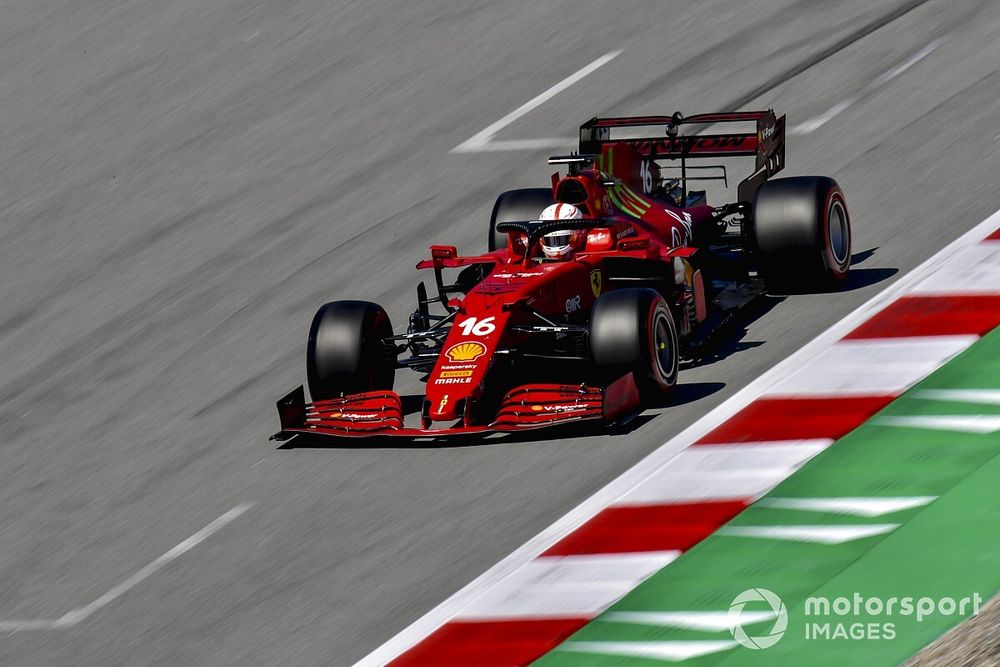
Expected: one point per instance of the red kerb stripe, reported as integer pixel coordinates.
(665, 527)
(796, 419)
(933, 316)
(489, 643)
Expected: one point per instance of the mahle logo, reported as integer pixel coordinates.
(738, 618)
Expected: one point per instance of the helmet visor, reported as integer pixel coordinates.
(559, 239)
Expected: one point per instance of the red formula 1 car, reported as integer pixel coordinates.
(650, 271)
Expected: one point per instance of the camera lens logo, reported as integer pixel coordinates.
(758, 597)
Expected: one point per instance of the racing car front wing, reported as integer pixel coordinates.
(531, 406)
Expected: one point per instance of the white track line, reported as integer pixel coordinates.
(867, 507)
(75, 616)
(669, 651)
(819, 121)
(516, 145)
(481, 141)
(631, 478)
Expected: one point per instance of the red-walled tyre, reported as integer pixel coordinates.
(802, 232)
(633, 330)
(346, 352)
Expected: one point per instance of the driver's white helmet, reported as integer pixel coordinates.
(561, 244)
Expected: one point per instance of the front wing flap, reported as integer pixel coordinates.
(380, 413)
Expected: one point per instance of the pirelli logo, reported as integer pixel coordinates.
(455, 374)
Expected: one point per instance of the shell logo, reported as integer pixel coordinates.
(536, 408)
(467, 351)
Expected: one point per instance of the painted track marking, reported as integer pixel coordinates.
(943, 260)
(885, 77)
(75, 616)
(483, 141)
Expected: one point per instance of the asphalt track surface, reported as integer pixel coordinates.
(184, 183)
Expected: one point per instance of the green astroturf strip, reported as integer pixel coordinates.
(948, 547)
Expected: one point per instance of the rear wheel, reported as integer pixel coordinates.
(347, 352)
(514, 206)
(802, 231)
(633, 330)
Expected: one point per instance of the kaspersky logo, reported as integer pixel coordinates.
(466, 351)
(759, 599)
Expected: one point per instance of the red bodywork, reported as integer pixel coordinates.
(651, 230)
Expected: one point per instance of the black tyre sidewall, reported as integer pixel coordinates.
(514, 206)
(345, 353)
(792, 231)
(622, 340)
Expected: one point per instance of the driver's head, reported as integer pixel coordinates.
(561, 244)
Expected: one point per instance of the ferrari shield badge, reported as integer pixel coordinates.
(595, 282)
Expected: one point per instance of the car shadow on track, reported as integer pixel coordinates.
(861, 278)
(856, 279)
(729, 340)
(859, 257)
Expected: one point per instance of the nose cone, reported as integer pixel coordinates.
(444, 408)
(465, 358)
(455, 379)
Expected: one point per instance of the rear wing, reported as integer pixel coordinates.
(766, 143)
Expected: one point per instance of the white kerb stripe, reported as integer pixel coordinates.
(567, 586)
(872, 367)
(974, 270)
(747, 455)
(724, 472)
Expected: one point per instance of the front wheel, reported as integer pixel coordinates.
(633, 330)
(347, 351)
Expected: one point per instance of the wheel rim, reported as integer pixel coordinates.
(663, 346)
(840, 233)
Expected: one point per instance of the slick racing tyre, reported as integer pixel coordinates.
(346, 352)
(633, 330)
(802, 232)
(514, 206)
